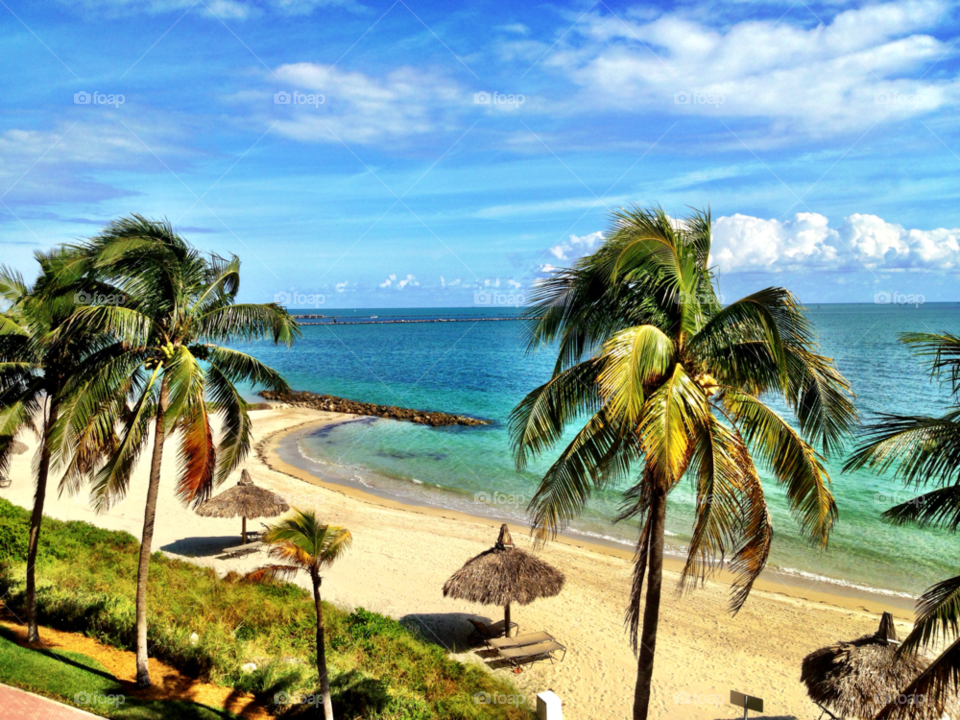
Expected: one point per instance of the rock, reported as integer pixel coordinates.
(331, 403)
(248, 668)
(194, 638)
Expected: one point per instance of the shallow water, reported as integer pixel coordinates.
(481, 369)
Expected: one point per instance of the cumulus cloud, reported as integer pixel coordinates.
(367, 109)
(392, 282)
(577, 246)
(744, 243)
(843, 75)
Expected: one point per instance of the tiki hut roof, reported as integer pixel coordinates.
(504, 574)
(860, 678)
(18, 448)
(244, 500)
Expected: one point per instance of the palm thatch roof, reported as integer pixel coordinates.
(504, 574)
(244, 500)
(859, 678)
(18, 448)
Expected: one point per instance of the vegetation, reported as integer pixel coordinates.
(925, 451)
(37, 365)
(669, 383)
(379, 669)
(165, 308)
(78, 680)
(304, 543)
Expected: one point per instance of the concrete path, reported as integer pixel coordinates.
(20, 705)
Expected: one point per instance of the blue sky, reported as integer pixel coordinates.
(823, 135)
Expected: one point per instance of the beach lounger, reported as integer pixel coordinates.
(482, 631)
(242, 549)
(529, 654)
(520, 640)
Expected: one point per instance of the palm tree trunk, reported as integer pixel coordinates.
(36, 518)
(146, 541)
(321, 652)
(651, 610)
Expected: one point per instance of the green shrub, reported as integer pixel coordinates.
(379, 669)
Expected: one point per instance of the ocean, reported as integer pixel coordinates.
(482, 369)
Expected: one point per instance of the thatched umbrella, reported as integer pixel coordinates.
(503, 575)
(246, 500)
(861, 677)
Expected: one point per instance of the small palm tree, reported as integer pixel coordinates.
(925, 451)
(168, 308)
(662, 378)
(37, 366)
(305, 544)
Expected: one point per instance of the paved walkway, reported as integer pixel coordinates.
(20, 705)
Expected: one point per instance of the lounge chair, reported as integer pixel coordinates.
(529, 654)
(243, 549)
(484, 632)
(520, 640)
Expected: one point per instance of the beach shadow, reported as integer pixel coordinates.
(451, 631)
(202, 546)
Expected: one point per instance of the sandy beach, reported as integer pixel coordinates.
(402, 555)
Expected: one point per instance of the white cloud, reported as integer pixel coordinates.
(367, 109)
(392, 282)
(842, 76)
(226, 9)
(744, 243)
(577, 247)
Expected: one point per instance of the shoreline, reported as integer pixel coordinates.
(794, 586)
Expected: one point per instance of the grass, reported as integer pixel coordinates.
(78, 680)
(380, 669)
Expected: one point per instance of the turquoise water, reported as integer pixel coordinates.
(481, 369)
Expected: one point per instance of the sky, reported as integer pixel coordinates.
(412, 153)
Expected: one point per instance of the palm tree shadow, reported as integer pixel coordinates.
(56, 656)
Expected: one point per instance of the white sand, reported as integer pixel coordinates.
(402, 556)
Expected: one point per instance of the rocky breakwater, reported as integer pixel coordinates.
(331, 403)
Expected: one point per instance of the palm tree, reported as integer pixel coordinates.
(661, 378)
(36, 368)
(304, 544)
(168, 307)
(925, 451)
